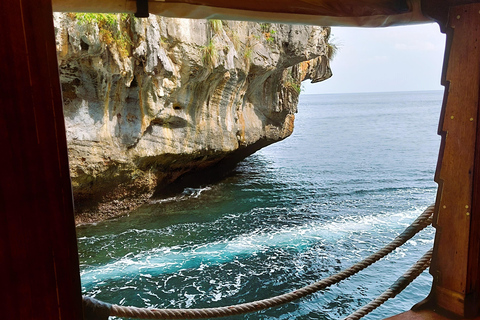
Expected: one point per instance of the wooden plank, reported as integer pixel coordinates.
(455, 173)
(423, 315)
(419, 315)
(472, 298)
(344, 8)
(38, 252)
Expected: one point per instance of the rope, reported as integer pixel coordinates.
(396, 288)
(146, 313)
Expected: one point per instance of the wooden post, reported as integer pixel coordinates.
(455, 265)
(39, 269)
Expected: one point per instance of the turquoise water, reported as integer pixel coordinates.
(357, 170)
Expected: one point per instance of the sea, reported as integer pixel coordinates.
(357, 170)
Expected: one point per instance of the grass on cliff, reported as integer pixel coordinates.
(210, 55)
(332, 47)
(216, 25)
(268, 31)
(291, 83)
(332, 50)
(110, 28)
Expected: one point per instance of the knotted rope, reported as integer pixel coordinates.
(419, 224)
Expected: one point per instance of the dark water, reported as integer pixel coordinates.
(357, 170)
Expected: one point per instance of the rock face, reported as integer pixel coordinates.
(158, 102)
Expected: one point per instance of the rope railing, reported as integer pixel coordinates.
(401, 283)
(102, 310)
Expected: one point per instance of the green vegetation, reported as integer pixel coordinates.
(163, 41)
(268, 31)
(297, 88)
(233, 35)
(292, 83)
(249, 46)
(210, 54)
(110, 28)
(332, 50)
(102, 19)
(216, 25)
(268, 35)
(265, 27)
(332, 47)
(248, 52)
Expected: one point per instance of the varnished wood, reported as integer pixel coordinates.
(37, 237)
(38, 253)
(345, 8)
(473, 264)
(425, 315)
(454, 265)
(438, 9)
(371, 13)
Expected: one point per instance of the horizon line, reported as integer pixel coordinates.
(360, 92)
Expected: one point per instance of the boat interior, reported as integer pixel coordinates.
(38, 249)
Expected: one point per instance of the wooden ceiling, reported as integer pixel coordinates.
(368, 13)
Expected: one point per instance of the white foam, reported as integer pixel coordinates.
(172, 259)
(187, 193)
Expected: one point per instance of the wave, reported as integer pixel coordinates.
(188, 193)
(163, 260)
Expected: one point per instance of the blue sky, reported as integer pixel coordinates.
(407, 58)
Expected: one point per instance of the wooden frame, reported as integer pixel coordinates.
(38, 248)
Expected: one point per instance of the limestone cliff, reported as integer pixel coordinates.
(153, 102)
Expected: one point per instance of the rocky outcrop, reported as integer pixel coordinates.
(158, 102)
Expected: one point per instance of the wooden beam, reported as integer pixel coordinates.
(344, 8)
(455, 263)
(371, 13)
(38, 250)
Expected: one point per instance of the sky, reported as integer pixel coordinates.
(407, 58)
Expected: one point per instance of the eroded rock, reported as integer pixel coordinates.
(150, 101)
